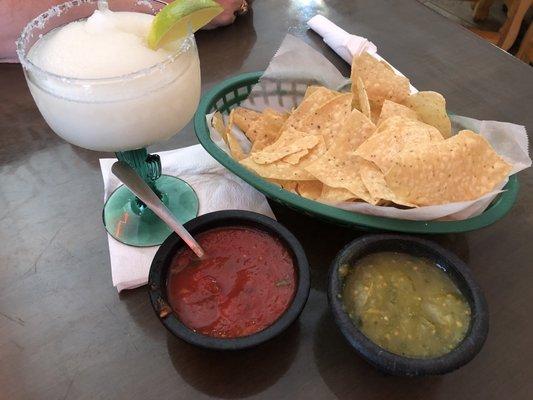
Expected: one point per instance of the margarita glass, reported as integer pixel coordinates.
(91, 105)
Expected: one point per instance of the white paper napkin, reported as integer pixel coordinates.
(343, 43)
(216, 187)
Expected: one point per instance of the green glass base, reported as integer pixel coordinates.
(132, 223)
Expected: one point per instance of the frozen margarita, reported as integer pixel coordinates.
(112, 91)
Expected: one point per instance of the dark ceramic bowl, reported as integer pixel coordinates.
(157, 280)
(384, 360)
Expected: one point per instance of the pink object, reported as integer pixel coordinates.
(231, 9)
(15, 14)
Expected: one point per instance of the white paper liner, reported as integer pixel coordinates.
(297, 65)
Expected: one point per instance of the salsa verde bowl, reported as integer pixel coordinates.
(233, 91)
(161, 264)
(454, 268)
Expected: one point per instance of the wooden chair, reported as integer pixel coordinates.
(525, 52)
(506, 36)
(481, 9)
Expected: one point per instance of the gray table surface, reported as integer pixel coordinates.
(65, 333)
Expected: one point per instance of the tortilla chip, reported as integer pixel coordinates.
(328, 119)
(314, 154)
(290, 186)
(375, 111)
(364, 104)
(312, 89)
(318, 97)
(392, 109)
(374, 181)
(266, 129)
(217, 122)
(392, 136)
(295, 158)
(355, 129)
(461, 168)
(380, 81)
(309, 189)
(278, 170)
(284, 184)
(336, 195)
(431, 109)
(276, 114)
(243, 119)
(234, 146)
(339, 168)
(290, 141)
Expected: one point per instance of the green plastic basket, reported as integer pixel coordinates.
(233, 91)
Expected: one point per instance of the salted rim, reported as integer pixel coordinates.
(40, 21)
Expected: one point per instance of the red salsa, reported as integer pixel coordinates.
(244, 284)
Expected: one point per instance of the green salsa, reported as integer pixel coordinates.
(405, 304)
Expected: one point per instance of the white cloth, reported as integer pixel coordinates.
(216, 187)
(343, 43)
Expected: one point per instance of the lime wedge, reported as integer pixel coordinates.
(174, 20)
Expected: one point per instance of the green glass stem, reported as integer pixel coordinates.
(147, 166)
(129, 220)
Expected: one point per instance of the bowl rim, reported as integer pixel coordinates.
(227, 218)
(395, 364)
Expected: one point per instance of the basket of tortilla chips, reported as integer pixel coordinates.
(376, 154)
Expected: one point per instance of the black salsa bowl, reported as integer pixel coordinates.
(459, 273)
(157, 279)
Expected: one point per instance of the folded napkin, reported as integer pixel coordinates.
(216, 187)
(343, 43)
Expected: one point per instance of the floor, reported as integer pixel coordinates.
(461, 12)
